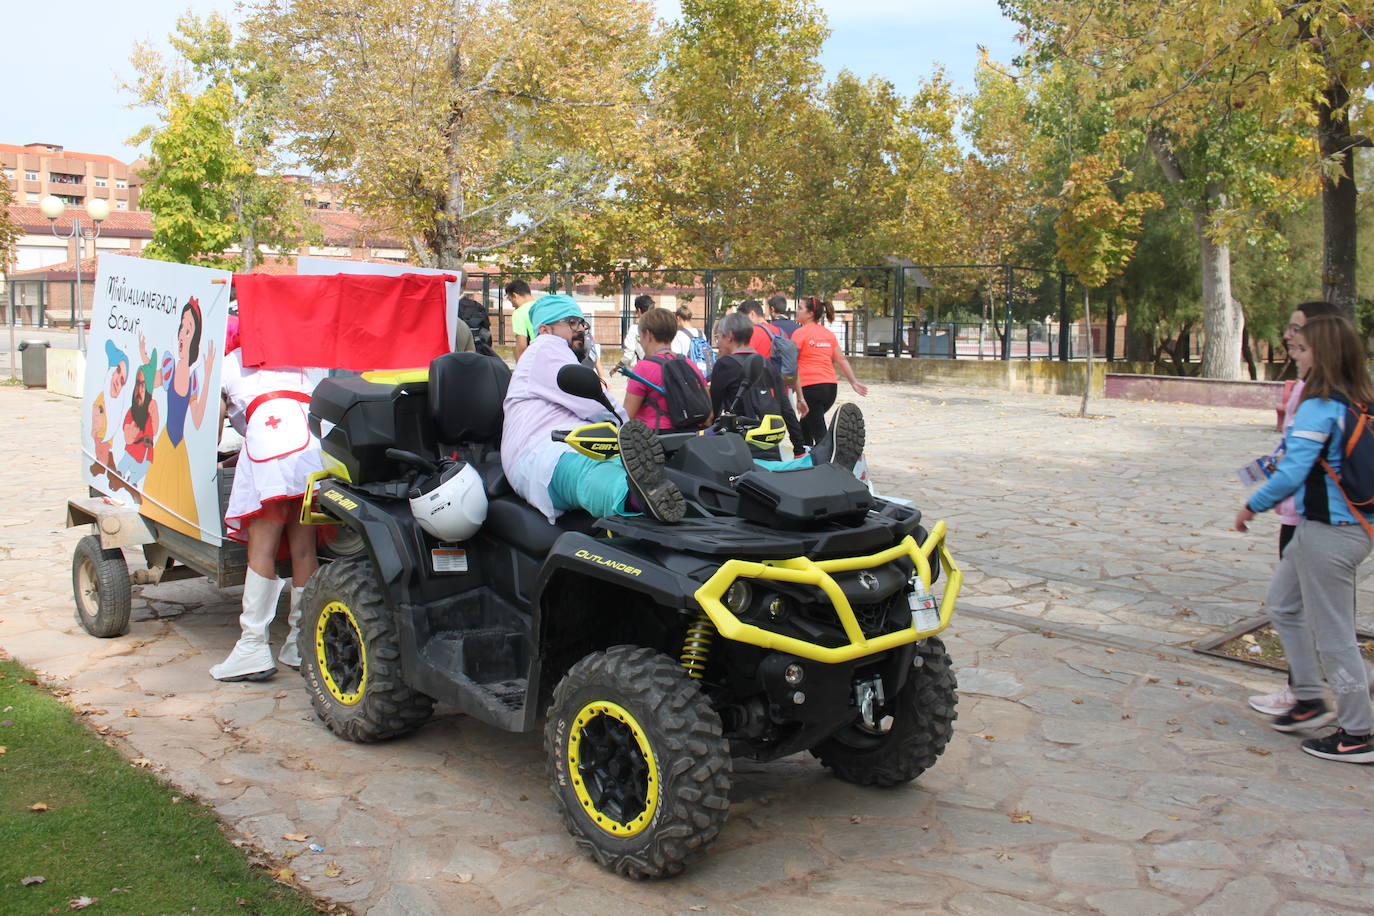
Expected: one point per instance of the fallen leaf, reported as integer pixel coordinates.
(282, 875)
(131, 713)
(1125, 715)
(295, 837)
(102, 729)
(1172, 818)
(38, 806)
(333, 870)
(176, 799)
(223, 782)
(32, 880)
(1020, 817)
(989, 737)
(187, 719)
(279, 696)
(461, 878)
(292, 853)
(3, 750)
(142, 762)
(1111, 651)
(1262, 751)
(121, 734)
(1152, 680)
(1221, 721)
(80, 903)
(1077, 701)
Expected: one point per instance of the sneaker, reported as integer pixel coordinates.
(1305, 714)
(1275, 704)
(1340, 745)
(844, 442)
(642, 455)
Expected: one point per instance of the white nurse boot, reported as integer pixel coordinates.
(290, 654)
(251, 659)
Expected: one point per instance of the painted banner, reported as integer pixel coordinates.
(150, 419)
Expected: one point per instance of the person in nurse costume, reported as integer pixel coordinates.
(265, 504)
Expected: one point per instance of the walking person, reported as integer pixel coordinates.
(632, 350)
(1311, 600)
(818, 355)
(692, 343)
(1276, 704)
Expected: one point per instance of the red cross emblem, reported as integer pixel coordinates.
(273, 422)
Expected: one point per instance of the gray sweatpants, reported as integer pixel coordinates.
(1312, 605)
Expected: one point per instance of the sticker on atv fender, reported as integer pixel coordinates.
(925, 613)
(613, 564)
(449, 560)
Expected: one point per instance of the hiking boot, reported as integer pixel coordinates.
(843, 443)
(1340, 745)
(652, 491)
(1305, 714)
(1275, 704)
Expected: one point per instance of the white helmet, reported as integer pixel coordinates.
(455, 507)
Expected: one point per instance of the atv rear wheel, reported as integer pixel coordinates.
(351, 656)
(100, 584)
(637, 762)
(912, 731)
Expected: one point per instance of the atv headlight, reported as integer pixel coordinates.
(737, 597)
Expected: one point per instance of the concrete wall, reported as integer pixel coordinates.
(1213, 392)
(1026, 376)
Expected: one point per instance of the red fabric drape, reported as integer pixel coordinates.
(344, 321)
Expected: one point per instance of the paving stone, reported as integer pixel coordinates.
(409, 900)
(356, 828)
(1196, 853)
(1192, 883)
(1304, 908)
(1133, 903)
(1093, 865)
(482, 864)
(1251, 894)
(982, 904)
(1311, 860)
(1110, 817)
(411, 793)
(1016, 871)
(991, 683)
(979, 829)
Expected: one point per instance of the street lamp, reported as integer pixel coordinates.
(53, 207)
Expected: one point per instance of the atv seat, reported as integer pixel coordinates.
(516, 522)
(466, 392)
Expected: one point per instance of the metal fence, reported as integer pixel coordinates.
(42, 303)
(961, 311)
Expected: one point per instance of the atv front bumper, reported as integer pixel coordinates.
(817, 573)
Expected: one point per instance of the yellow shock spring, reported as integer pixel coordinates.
(696, 647)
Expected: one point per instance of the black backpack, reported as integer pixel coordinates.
(1356, 479)
(756, 400)
(687, 402)
(474, 315)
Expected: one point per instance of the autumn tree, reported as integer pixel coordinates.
(466, 124)
(1223, 160)
(220, 104)
(740, 80)
(10, 230)
(1097, 230)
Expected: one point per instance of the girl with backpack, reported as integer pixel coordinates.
(662, 395)
(1311, 600)
(818, 354)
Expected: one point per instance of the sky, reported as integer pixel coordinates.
(75, 102)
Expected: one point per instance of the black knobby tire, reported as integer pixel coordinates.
(351, 656)
(691, 795)
(100, 585)
(921, 723)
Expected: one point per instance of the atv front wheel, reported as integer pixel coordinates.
(637, 762)
(912, 730)
(351, 656)
(100, 584)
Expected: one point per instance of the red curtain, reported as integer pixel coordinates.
(344, 321)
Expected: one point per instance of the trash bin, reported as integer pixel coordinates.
(35, 366)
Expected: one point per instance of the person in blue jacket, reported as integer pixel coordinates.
(1311, 600)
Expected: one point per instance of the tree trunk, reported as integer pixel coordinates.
(1141, 345)
(1088, 360)
(1338, 200)
(1222, 320)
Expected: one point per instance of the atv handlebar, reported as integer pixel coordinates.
(412, 459)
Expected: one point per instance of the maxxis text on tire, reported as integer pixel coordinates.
(923, 714)
(681, 800)
(351, 656)
(100, 585)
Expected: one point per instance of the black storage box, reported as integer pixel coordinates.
(803, 498)
(368, 418)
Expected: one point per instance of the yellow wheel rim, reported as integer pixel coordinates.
(341, 653)
(612, 768)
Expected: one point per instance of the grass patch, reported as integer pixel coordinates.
(111, 831)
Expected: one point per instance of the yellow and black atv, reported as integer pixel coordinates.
(789, 611)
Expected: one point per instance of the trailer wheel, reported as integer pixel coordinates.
(100, 584)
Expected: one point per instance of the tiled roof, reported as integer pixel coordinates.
(347, 228)
(63, 270)
(64, 154)
(125, 223)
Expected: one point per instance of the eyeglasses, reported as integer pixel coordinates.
(577, 324)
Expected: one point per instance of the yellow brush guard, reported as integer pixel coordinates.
(817, 573)
(332, 468)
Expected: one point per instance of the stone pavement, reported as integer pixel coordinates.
(1097, 766)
